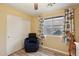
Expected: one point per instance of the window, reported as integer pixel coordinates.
(53, 26)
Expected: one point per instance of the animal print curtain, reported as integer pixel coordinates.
(41, 20)
(69, 21)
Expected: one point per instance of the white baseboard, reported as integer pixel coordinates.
(55, 50)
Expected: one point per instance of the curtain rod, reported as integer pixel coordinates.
(53, 17)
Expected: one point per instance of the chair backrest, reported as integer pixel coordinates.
(32, 35)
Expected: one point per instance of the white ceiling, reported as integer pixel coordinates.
(42, 7)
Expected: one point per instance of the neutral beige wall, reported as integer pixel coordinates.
(77, 23)
(53, 41)
(9, 10)
(35, 24)
(2, 34)
(4, 10)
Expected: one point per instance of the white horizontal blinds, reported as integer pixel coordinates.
(54, 26)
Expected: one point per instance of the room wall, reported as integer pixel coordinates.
(77, 23)
(2, 34)
(35, 24)
(54, 42)
(4, 10)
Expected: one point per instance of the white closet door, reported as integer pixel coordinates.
(17, 30)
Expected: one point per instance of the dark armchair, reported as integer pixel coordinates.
(31, 44)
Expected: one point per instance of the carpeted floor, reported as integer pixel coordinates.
(41, 52)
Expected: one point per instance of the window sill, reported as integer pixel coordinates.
(54, 35)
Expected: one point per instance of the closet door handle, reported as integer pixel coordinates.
(8, 36)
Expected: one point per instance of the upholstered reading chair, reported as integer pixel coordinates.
(31, 44)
